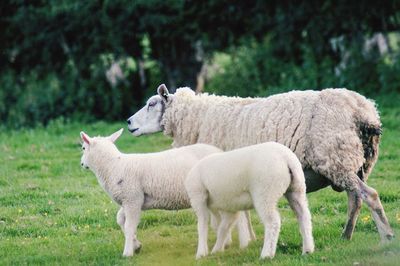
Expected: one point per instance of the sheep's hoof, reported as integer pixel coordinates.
(346, 236)
(390, 237)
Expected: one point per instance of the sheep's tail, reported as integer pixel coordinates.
(369, 129)
(370, 136)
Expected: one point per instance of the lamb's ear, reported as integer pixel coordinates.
(114, 136)
(163, 92)
(85, 137)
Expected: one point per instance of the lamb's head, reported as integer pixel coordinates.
(94, 147)
(148, 119)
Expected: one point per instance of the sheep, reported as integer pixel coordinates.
(140, 181)
(335, 133)
(254, 176)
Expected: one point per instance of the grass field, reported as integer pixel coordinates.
(54, 212)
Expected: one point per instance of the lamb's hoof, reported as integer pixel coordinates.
(214, 251)
(243, 246)
(138, 249)
(244, 243)
(253, 236)
(199, 256)
(308, 249)
(267, 254)
(127, 254)
(307, 252)
(227, 244)
(268, 257)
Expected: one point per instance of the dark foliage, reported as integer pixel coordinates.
(55, 54)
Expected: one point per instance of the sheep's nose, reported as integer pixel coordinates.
(128, 121)
(82, 164)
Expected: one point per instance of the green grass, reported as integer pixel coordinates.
(54, 212)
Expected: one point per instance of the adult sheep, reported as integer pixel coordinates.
(334, 132)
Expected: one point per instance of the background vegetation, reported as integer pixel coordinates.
(91, 60)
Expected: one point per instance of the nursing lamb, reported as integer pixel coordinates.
(255, 176)
(335, 133)
(141, 181)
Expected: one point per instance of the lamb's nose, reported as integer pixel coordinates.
(128, 121)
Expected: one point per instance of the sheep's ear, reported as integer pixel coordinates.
(113, 137)
(85, 137)
(163, 92)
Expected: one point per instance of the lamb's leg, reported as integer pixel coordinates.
(245, 229)
(132, 218)
(121, 219)
(354, 207)
(202, 213)
(198, 200)
(215, 221)
(272, 224)
(298, 202)
(224, 229)
(371, 197)
(249, 225)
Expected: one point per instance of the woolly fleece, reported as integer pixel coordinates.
(320, 127)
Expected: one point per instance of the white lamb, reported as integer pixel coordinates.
(254, 176)
(141, 181)
(335, 133)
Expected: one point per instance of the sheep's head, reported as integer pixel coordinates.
(148, 119)
(89, 145)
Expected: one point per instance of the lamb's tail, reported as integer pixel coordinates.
(370, 136)
(297, 179)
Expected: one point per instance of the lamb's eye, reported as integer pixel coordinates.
(151, 104)
(83, 148)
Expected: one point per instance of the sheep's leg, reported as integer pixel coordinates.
(354, 207)
(298, 202)
(121, 219)
(371, 197)
(132, 218)
(224, 228)
(272, 224)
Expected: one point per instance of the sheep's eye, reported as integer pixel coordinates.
(151, 104)
(83, 148)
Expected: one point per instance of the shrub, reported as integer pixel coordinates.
(254, 70)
